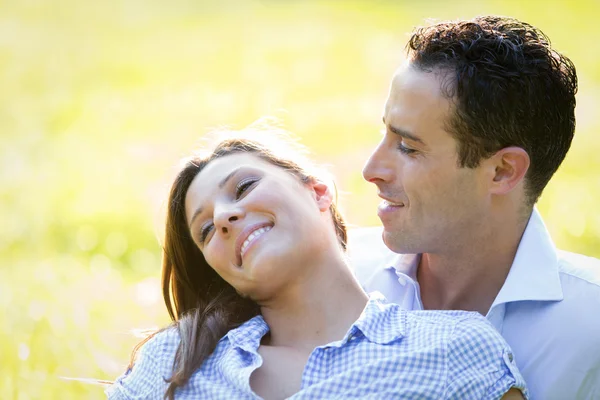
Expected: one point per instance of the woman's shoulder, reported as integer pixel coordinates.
(152, 364)
(422, 327)
(428, 319)
(479, 363)
(161, 344)
(473, 331)
(455, 327)
(448, 318)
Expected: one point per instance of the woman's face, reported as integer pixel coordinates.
(256, 224)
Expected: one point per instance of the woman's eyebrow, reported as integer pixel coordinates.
(228, 177)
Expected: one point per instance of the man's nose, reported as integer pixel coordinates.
(379, 166)
(226, 216)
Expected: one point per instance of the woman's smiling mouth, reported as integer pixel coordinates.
(250, 235)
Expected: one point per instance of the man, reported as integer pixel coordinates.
(476, 123)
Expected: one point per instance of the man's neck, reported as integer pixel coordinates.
(316, 312)
(471, 276)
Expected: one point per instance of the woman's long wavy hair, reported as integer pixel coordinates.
(201, 304)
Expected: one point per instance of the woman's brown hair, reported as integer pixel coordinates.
(201, 304)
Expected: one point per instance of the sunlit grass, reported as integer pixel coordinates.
(99, 100)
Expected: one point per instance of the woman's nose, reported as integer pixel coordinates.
(226, 216)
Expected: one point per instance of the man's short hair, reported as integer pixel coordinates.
(509, 88)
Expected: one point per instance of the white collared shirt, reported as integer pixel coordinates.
(548, 309)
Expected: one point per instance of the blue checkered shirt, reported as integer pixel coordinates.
(387, 353)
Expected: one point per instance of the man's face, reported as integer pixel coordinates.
(430, 203)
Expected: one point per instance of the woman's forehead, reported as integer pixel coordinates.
(222, 167)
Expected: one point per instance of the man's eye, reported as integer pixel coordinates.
(405, 150)
(243, 186)
(205, 231)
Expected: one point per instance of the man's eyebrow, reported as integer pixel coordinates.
(221, 186)
(403, 133)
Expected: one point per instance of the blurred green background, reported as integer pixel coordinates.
(99, 100)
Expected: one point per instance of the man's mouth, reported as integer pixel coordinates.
(387, 203)
(386, 207)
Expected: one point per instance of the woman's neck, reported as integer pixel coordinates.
(316, 310)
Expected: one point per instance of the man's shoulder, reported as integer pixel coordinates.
(580, 283)
(578, 269)
(579, 277)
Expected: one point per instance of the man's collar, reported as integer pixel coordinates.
(534, 271)
(407, 264)
(533, 274)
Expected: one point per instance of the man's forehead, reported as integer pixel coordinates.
(410, 77)
(416, 106)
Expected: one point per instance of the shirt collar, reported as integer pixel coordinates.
(248, 335)
(380, 322)
(534, 271)
(407, 264)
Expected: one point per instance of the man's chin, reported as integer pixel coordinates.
(391, 241)
(397, 242)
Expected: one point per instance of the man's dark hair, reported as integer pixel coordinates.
(510, 88)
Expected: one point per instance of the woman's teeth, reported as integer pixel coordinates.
(253, 236)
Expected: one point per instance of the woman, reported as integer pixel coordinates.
(264, 303)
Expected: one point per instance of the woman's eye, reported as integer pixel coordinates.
(243, 186)
(404, 149)
(205, 231)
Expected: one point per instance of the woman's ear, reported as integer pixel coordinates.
(322, 192)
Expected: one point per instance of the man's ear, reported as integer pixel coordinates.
(507, 169)
(322, 192)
